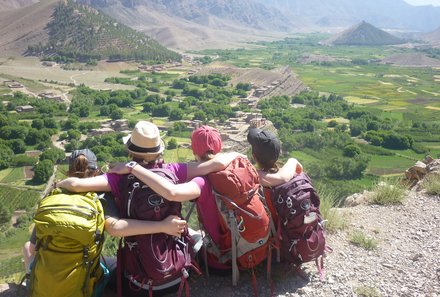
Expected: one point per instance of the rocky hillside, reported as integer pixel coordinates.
(224, 14)
(83, 33)
(195, 24)
(364, 34)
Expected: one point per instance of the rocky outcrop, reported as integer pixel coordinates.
(420, 169)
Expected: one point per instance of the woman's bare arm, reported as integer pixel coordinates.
(171, 225)
(291, 168)
(219, 162)
(96, 184)
(180, 192)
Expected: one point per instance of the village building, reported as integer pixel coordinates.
(48, 63)
(145, 68)
(33, 154)
(15, 85)
(119, 125)
(51, 96)
(101, 131)
(24, 108)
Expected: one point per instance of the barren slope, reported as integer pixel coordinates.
(178, 33)
(412, 60)
(24, 26)
(12, 4)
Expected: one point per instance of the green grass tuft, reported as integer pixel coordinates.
(361, 239)
(366, 291)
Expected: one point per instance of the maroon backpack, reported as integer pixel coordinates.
(299, 226)
(154, 261)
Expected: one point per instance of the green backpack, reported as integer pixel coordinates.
(69, 229)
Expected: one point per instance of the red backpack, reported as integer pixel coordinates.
(244, 219)
(295, 205)
(153, 261)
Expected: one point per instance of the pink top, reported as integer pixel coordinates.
(208, 215)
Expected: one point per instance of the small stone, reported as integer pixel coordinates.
(300, 291)
(417, 257)
(387, 265)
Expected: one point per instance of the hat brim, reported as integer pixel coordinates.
(125, 139)
(128, 144)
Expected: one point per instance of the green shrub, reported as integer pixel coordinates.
(361, 239)
(5, 215)
(431, 184)
(388, 194)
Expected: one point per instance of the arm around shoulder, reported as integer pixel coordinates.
(78, 185)
(171, 225)
(291, 168)
(173, 192)
(219, 162)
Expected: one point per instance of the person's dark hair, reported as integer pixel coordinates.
(267, 165)
(79, 167)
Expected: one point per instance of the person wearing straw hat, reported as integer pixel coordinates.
(145, 148)
(206, 145)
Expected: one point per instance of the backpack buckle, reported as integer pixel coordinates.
(289, 202)
(131, 245)
(240, 227)
(185, 273)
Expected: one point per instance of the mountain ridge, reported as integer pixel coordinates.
(201, 24)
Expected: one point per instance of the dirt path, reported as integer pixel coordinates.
(57, 144)
(76, 75)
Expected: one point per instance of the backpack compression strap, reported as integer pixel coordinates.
(234, 235)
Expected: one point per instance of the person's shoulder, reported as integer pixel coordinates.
(201, 181)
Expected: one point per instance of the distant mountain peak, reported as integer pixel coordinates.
(364, 33)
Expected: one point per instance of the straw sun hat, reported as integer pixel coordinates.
(144, 140)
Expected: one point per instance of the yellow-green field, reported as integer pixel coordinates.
(337, 120)
(357, 100)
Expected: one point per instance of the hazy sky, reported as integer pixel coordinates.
(424, 2)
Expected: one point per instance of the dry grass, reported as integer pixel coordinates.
(388, 193)
(431, 184)
(334, 220)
